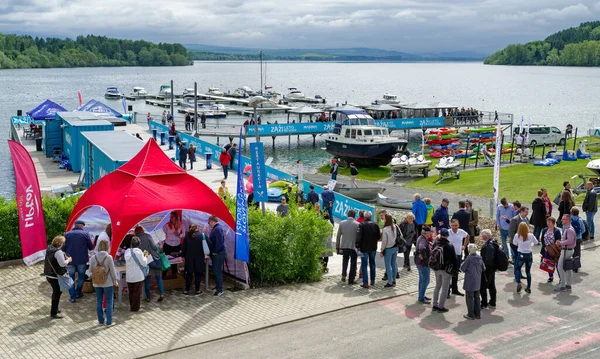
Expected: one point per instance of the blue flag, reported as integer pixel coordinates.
(242, 241)
(124, 101)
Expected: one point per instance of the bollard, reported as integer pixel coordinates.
(171, 140)
(154, 132)
(162, 138)
(208, 160)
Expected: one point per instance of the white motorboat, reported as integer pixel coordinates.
(388, 99)
(164, 91)
(447, 163)
(189, 92)
(112, 93)
(214, 91)
(294, 94)
(139, 91)
(405, 162)
(594, 166)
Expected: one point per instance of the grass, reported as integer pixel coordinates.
(365, 173)
(518, 182)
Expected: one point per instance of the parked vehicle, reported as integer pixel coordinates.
(538, 135)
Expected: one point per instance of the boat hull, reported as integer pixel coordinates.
(112, 96)
(361, 194)
(393, 203)
(368, 155)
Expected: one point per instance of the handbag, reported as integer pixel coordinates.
(547, 265)
(572, 263)
(165, 264)
(145, 269)
(65, 282)
(205, 245)
(476, 231)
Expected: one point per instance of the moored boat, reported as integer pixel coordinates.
(362, 193)
(112, 93)
(393, 203)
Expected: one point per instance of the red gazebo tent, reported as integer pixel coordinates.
(149, 183)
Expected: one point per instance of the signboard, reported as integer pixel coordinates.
(259, 175)
(325, 127)
(342, 204)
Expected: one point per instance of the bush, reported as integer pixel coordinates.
(56, 215)
(287, 249)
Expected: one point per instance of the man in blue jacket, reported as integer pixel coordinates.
(313, 197)
(218, 252)
(78, 243)
(328, 199)
(419, 209)
(440, 216)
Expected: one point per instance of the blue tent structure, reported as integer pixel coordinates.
(98, 107)
(45, 111)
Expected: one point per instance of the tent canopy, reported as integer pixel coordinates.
(382, 107)
(148, 184)
(98, 107)
(441, 105)
(46, 111)
(305, 110)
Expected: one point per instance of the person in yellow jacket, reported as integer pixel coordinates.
(223, 192)
(430, 211)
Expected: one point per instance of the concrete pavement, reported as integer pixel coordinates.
(539, 325)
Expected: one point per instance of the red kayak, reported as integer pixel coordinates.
(443, 131)
(442, 142)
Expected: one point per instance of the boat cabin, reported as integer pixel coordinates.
(390, 97)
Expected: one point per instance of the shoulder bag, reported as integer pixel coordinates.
(145, 269)
(65, 282)
(571, 263)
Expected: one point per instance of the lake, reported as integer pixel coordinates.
(548, 95)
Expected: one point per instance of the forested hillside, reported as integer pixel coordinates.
(577, 46)
(87, 51)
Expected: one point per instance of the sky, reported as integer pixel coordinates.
(401, 25)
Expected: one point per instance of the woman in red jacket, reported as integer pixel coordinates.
(224, 158)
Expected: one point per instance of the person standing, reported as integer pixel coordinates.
(78, 243)
(105, 263)
(224, 159)
(389, 250)
(489, 251)
(366, 241)
(513, 226)
(419, 209)
(283, 208)
(328, 200)
(504, 213)
(462, 216)
(300, 167)
(192, 155)
(218, 252)
(232, 152)
(550, 235)
(408, 227)
(473, 267)
(163, 119)
(223, 191)
(459, 240)
(174, 233)
(183, 155)
(524, 240)
(473, 219)
(55, 265)
(442, 275)
(155, 267)
(579, 227)
(565, 204)
(422, 254)
(188, 121)
(538, 215)
(313, 197)
(430, 211)
(106, 235)
(353, 174)
(148, 119)
(192, 252)
(135, 261)
(334, 169)
(345, 244)
(547, 202)
(441, 217)
(590, 207)
(568, 242)
(203, 120)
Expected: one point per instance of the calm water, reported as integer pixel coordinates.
(549, 95)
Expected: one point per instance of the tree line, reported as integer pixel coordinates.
(577, 46)
(24, 51)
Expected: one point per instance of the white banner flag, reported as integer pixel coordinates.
(497, 161)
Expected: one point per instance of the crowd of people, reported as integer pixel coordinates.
(464, 116)
(73, 257)
(445, 244)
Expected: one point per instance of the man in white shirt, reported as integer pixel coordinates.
(459, 239)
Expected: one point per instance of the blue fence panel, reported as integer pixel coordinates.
(411, 123)
(342, 204)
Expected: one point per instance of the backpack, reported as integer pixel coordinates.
(436, 260)
(98, 273)
(501, 260)
(576, 226)
(399, 239)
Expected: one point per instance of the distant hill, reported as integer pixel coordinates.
(209, 52)
(576, 46)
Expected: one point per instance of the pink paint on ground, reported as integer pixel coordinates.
(469, 350)
(593, 293)
(569, 346)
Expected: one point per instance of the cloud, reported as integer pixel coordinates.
(404, 25)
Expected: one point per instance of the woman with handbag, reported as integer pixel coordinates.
(55, 268)
(136, 263)
(192, 252)
(102, 262)
(548, 238)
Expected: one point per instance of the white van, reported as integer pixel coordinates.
(540, 135)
